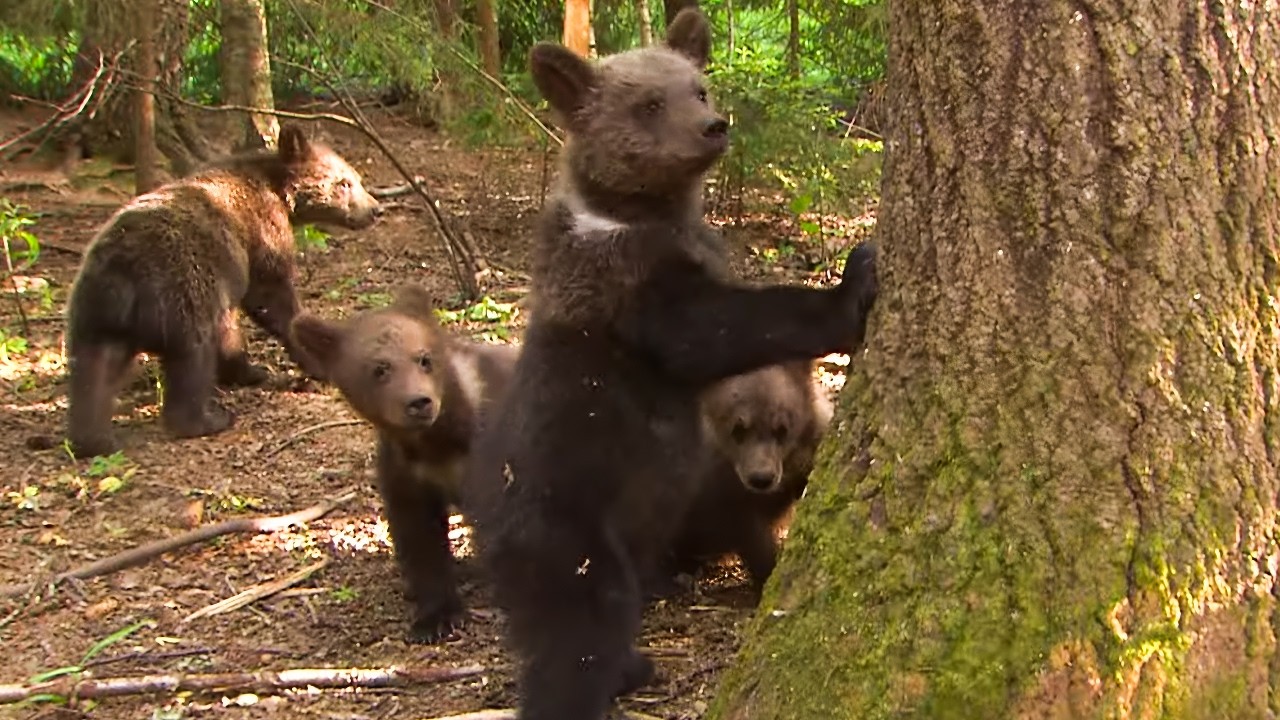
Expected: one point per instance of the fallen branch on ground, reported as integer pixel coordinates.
(262, 682)
(257, 592)
(139, 555)
(85, 102)
(392, 191)
(509, 714)
(308, 430)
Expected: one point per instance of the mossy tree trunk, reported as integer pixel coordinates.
(245, 69)
(107, 31)
(1050, 490)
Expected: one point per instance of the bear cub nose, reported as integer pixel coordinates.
(419, 407)
(715, 128)
(760, 482)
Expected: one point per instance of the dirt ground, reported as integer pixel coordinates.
(285, 453)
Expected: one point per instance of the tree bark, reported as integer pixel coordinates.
(246, 71)
(577, 26)
(490, 52)
(107, 30)
(146, 177)
(646, 22)
(1050, 489)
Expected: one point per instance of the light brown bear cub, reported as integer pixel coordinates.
(426, 392)
(764, 427)
(170, 271)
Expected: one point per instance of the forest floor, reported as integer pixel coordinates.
(281, 456)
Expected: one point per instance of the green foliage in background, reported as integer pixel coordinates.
(785, 128)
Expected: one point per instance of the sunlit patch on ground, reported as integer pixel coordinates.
(358, 536)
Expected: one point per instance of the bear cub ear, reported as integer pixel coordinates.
(416, 302)
(319, 338)
(690, 35)
(293, 144)
(563, 78)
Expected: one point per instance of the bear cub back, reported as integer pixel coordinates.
(426, 393)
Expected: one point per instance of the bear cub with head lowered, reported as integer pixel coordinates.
(596, 449)
(425, 392)
(171, 271)
(765, 426)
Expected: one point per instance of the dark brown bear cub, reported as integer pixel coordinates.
(425, 391)
(765, 427)
(170, 271)
(597, 445)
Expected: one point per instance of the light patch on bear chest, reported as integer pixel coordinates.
(585, 221)
(445, 475)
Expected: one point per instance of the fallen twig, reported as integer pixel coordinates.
(149, 656)
(262, 682)
(307, 431)
(391, 191)
(77, 105)
(141, 554)
(510, 714)
(257, 592)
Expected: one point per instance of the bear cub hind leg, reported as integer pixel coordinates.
(189, 409)
(234, 368)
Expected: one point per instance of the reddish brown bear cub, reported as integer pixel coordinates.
(765, 427)
(170, 271)
(598, 444)
(425, 392)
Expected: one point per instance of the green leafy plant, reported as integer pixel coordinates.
(79, 667)
(310, 237)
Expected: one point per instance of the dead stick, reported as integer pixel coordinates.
(257, 592)
(394, 190)
(509, 714)
(308, 430)
(262, 682)
(139, 555)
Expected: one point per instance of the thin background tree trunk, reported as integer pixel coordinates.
(1050, 489)
(146, 170)
(246, 69)
(490, 54)
(577, 26)
(793, 38)
(646, 23)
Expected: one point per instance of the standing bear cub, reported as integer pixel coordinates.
(425, 392)
(170, 272)
(597, 445)
(764, 427)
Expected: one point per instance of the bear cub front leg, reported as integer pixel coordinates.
(418, 520)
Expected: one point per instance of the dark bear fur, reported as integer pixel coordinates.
(765, 427)
(425, 391)
(596, 450)
(170, 272)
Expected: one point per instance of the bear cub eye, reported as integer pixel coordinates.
(739, 431)
(344, 184)
(424, 362)
(702, 95)
(780, 433)
(653, 107)
(382, 371)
